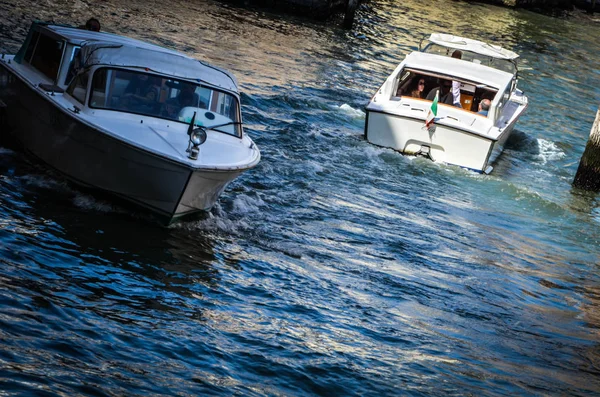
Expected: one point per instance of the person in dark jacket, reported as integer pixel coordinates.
(445, 93)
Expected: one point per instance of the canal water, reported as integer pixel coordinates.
(334, 268)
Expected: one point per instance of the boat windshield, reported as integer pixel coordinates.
(422, 84)
(158, 96)
(496, 63)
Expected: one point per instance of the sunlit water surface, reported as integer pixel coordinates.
(335, 267)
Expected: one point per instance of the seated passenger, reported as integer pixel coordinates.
(484, 107)
(419, 90)
(186, 97)
(141, 94)
(445, 93)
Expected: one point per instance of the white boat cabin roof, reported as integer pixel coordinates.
(102, 48)
(463, 70)
(465, 44)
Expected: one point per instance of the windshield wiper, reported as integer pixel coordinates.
(216, 127)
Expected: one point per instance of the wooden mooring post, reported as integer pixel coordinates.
(351, 6)
(588, 172)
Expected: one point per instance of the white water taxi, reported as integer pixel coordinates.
(139, 121)
(477, 106)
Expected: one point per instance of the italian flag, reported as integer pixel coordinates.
(432, 111)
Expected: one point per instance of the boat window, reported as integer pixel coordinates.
(503, 101)
(408, 84)
(47, 55)
(74, 63)
(31, 47)
(419, 84)
(78, 87)
(156, 96)
(416, 83)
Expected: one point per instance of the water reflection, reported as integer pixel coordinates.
(336, 268)
(103, 251)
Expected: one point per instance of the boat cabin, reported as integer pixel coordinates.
(462, 74)
(477, 82)
(107, 72)
(471, 93)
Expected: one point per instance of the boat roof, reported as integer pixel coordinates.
(479, 47)
(459, 68)
(103, 48)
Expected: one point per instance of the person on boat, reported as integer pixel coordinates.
(186, 97)
(419, 90)
(141, 94)
(484, 107)
(445, 93)
(455, 84)
(92, 24)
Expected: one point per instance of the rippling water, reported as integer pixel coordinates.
(334, 267)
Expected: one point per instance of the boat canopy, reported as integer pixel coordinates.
(451, 67)
(164, 62)
(476, 46)
(106, 48)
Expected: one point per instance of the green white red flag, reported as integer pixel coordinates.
(432, 111)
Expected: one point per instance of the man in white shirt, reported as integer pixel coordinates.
(455, 84)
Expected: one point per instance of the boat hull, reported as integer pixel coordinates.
(93, 158)
(440, 142)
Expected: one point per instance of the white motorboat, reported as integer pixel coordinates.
(139, 121)
(457, 131)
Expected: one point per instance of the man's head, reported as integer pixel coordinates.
(188, 88)
(485, 104)
(457, 54)
(186, 95)
(93, 24)
(445, 87)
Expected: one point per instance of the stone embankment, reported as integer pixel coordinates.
(323, 9)
(549, 6)
(318, 9)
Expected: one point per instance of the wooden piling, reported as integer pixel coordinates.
(351, 6)
(588, 172)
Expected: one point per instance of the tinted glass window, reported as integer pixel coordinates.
(74, 64)
(156, 96)
(31, 47)
(78, 87)
(47, 55)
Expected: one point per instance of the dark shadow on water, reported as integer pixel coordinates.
(96, 258)
(521, 142)
(101, 227)
(519, 148)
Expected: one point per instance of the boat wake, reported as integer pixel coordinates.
(549, 151)
(353, 113)
(91, 203)
(229, 218)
